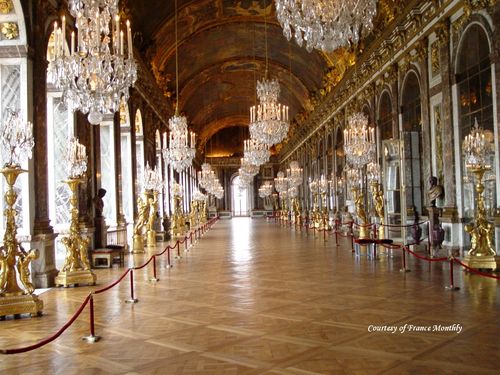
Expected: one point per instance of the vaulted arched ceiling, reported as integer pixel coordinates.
(222, 52)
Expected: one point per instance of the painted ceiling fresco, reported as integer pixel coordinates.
(222, 53)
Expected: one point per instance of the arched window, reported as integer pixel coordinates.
(412, 137)
(126, 163)
(240, 198)
(60, 128)
(385, 117)
(14, 95)
(474, 85)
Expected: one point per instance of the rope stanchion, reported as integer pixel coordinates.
(178, 245)
(92, 337)
(452, 286)
(403, 256)
(51, 338)
(154, 279)
(132, 298)
(169, 264)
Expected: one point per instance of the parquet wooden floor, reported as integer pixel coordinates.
(252, 297)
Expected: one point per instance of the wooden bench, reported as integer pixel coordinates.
(103, 258)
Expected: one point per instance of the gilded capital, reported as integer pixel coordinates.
(6, 6)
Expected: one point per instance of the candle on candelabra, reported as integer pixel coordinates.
(129, 39)
(121, 42)
(63, 37)
(165, 139)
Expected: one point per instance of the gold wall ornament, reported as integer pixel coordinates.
(435, 59)
(482, 254)
(76, 269)
(15, 299)
(9, 30)
(152, 197)
(6, 6)
(142, 218)
(443, 32)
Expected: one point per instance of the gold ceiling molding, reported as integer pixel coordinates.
(6, 6)
(163, 80)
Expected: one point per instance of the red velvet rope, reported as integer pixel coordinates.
(82, 306)
(51, 338)
(475, 271)
(145, 264)
(99, 291)
(403, 226)
(425, 258)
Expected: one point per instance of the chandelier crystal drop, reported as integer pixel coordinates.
(325, 24)
(95, 73)
(359, 141)
(269, 119)
(256, 153)
(181, 150)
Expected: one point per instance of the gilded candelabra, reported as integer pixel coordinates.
(13, 298)
(76, 269)
(482, 254)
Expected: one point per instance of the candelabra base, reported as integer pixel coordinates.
(137, 244)
(22, 304)
(76, 278)
(151, 238)
(489, 262)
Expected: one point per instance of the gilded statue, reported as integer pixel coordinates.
(435, 191)
(153, 208)
(23, 264)
(481, 233)
(143, 208)
(360, 206)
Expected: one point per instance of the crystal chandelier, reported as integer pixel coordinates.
(248, 169)
(95, 73)
(265, 190)
(180, 152)
(269, 119)
(152, 179)
(208, 181)
(256, 153)
(359, 141)
(325, 24)
(16, 139)
(373, 172)
(476, 148)
(294, 174)
(76, 157)
(281, 182)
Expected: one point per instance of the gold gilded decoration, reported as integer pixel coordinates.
(435, 59)
(421, 50)
(481, 255)
(76, 268)
(378, 202)
(6, 6)
(9, 30)
(153, 208)
(178, 221)
(443, 32)
(143, 208)
(471, 6)
(359, 204)
(13, 298)
(163, 80)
